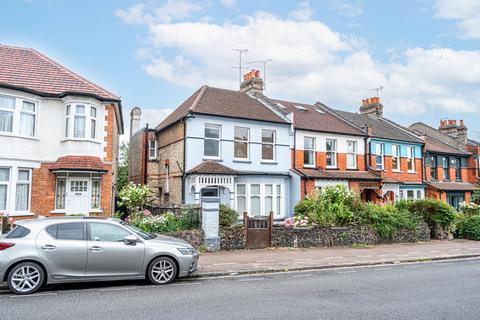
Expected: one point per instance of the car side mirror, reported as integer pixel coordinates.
(130, 239)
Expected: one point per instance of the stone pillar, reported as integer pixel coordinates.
(197, 197)
(210, 222)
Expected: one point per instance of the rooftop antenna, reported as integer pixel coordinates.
(378, 90)
(264, 62)
(240, 52)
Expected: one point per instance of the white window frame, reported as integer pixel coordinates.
(354, 154)
(243, 196)
(411, 158)
(91, 116)
(80, 115)
(397, 156)
(247, 142)
(333, 152)
(271, 196)
(7, 183)
(152, 148)
(274, 153)
(68, 113)
(313, 151)
(93, 122)
(99, 179)
(167, 179)
(380, 152)
(17, 112)
(24, 182)
(64, 178)
(30, 113)
(259, 196)
(278, 205)
(219, 140)
(10, 110)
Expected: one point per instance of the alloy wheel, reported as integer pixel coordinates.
(26, 279)
(163, 271)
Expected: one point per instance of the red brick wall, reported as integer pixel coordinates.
(321, 160)
(403, 175)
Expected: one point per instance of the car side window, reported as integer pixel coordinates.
(107, 232)
(67, 231)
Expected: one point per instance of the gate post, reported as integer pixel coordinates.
(210, 222)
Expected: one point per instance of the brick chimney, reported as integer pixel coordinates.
(135, 116)
(252, 82)
(455, 130)
(372, 106)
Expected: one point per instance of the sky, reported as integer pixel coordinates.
(155, 54)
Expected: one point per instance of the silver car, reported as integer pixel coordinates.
(79, 249)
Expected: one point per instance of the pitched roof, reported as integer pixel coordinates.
(223, 102)
(317, 118)
(473, 143)
(336, 174)
(83, 163)
(29, 70)
(436, 141)
(381, 127)
(211, 167)
(452, 186)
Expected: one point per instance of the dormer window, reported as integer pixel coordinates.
(81, 121)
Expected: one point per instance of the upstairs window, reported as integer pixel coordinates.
(27, 119)
(7, 108)
(457, 162)
(268, 145)
(241, 139)
(79, 122)
(351, 154)
(152, 151)
(331, 147)
(211, 146)
(17, 116)
(379, 153)
(93, 122)
(446, 168)
(309, 152)
(411, 159)
(433, 167)
(395, 157)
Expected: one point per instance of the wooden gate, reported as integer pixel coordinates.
(258, 231)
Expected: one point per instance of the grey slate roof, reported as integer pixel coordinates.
(381, 127)
(222, 102)
(452, 186)
(337, 174)
(436, 141)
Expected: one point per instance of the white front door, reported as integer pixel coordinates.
(77, 196)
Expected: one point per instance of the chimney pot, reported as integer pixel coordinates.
(461, 123)
(257, 74)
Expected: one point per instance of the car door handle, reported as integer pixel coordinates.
(96, 249)
(49, 247)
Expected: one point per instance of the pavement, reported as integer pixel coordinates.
(290, 259)
(424, 290)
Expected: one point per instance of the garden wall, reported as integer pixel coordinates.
(232, 238)
(194, 237)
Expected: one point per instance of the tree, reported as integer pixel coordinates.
(122, 179)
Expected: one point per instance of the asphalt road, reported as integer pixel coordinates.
(433, 290)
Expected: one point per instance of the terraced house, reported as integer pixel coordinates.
(218, 143)
(59, 135)
(451, 164)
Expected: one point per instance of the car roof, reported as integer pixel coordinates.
(43, 221)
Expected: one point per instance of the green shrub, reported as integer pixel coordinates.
(304, 207)
(189, 218)
(386, 219)
(156, 224)
(476, 197)
(433, 211)
(228, 216)
(469, 208)
(133, 196)
(469, 228)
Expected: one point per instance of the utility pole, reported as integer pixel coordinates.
(240, 52)
(264, 62)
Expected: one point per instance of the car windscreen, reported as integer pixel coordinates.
(18, 232)
(142, 234)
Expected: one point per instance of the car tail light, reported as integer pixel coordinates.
(5, 245)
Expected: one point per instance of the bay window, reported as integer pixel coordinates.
(22, 195)
(60, 193)
(255, 199)
(95, 194)
(4, 181)
(212, 141)
(241, 198)
(395, 157)
(268, 144)
(331, 147)
(7, 107)
(27, 119)
(379, 153)
(67, 120)
(268, 199)
(351, 154)
(308, 152)
(79, 122)
(241, 140)
(411, 159)
(278, 208)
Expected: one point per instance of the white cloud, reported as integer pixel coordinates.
(348, 9)
(228, 3)
(466, 12)
(151, 116)
(311, 62)
(303, 13)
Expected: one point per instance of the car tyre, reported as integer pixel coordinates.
(26, 278)
(162, 270)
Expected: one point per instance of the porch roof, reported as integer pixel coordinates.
(452, 186)
(212, 167)
(78, 163)
(339, 174)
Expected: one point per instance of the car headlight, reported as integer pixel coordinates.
(187, 251)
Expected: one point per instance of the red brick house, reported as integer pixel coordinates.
(59, 134)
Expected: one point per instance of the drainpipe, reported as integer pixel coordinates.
(145, 169)
(295, 163)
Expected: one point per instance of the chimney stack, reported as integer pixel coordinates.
(372, 106)
(454, 130)
(252, 82)
(135, 116)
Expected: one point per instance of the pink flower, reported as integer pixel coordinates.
(147, 213)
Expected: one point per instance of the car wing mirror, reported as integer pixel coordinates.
(130, 239)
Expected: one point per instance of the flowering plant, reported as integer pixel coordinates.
(133, 196)
(469, 208)
(146, 221)
(297, 221)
